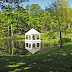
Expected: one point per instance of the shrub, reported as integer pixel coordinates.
(51, 35)
(69, 30)
(64, 40)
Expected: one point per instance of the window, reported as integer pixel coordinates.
(37, 44)
(34, 45)
(29, 37)
(26, 37)
(29, 45)
(33, 37)
(37, 36)
(26, 44)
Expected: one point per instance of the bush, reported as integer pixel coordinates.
(51, 35)
(69, 30)
(64, 40)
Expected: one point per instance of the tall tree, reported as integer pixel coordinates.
(60, 13)
(20, 19)
(69, 18)
(35, 16)
(8, 13)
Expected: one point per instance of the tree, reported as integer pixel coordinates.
(1, 28)
(69, 18)
(35, 16)
(15, 3)
(20, 19)
(8, 13)
(60, 13)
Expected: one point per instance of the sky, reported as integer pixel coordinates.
(43, 3)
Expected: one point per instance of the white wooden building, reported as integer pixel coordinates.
(32, 39)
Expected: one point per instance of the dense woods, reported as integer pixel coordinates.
(16, 21)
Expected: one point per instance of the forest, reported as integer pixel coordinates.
(55, 25)
(57, 17)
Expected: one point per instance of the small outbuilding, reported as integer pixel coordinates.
(32, 39)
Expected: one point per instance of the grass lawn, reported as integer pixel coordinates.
(44, 37)
(18, 37)
(52, 60)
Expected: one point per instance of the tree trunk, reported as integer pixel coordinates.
(51, 23)
(60, 40)
(69, 25)
(8, 46)
(11, 32)
(19, 31)
(12, 46)
(8, 30)
(51, 28)
(60, 35)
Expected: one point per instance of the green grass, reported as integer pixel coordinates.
(44, 36)
(52, 60)
(18, 37)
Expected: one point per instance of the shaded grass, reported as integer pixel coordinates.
(52, 60)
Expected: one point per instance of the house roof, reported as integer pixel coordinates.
(32, 31)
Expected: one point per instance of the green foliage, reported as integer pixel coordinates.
(69, 30)
(51, 35)
(64, 40)
(34, 17)
(55, 18)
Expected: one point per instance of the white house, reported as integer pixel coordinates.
(32, 39)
